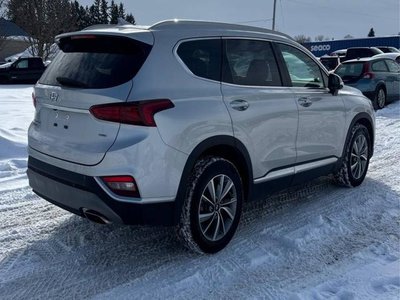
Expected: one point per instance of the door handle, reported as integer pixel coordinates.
(240, 105)
(305, 101)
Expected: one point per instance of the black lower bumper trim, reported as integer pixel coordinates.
(73, 192)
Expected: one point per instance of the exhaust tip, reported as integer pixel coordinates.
(95, 216)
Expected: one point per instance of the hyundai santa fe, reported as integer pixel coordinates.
(182, 122)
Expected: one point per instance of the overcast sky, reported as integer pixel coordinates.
(332, 18)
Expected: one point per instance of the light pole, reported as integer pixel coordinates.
(273, 16)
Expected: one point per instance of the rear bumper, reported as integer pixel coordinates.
(75, 192)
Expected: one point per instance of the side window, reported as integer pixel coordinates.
(393, 66)
(202, 57)
(23, 64)
(250, 62)
(35, 64)
(303, 71)
(379, 66)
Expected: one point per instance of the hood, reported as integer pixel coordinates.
(6, 65)
(350, 90)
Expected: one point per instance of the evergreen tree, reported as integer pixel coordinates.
(130, 18)
(114, 13)
(371, 33)
(103, 12)
(121, 11)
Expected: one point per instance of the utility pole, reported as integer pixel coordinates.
(273, 17)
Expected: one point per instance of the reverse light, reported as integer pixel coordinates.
(122, 185)
(368, 75)
(134, 113)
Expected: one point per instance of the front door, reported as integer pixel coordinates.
(321, 132)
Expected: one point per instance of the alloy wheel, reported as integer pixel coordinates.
(217, 207)
(359, 157)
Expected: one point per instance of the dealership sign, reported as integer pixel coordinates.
(316, 48)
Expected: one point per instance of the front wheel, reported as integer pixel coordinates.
(356, 158)
(212, 206)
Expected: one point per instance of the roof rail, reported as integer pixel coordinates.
(190, 24)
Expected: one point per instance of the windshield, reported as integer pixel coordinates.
(95, 61)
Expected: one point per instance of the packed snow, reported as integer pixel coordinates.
(315, 241)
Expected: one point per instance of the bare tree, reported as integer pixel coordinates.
(301, 38)
(2, 35)
(319, 38)
(42, 20)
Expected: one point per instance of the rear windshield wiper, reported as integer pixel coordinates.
(70, 82)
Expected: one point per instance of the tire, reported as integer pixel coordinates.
(379, 99)
(356, 158)
(209, 221)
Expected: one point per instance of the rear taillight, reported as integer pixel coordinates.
(134, 113)
(34, 99)
(367, 72)
(122, 185)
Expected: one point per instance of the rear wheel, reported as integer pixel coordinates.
(356, 158)
(380, 98)
(212, 206)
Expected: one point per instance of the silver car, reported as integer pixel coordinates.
(182, 122)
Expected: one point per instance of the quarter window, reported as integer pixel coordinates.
(250, 62)
(202, 57)
(303, 71)
(393, 67)
(379, 66)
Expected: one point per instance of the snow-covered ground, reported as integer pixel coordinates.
(316, 241)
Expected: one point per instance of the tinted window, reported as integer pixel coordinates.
(35, 64)
(202, 57)
(95, 61)
(303, 71)
(393, 66)
(361, 52)
(250, 62)
(379, 66)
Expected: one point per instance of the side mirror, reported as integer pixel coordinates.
(335, 83)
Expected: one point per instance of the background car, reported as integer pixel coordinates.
(341, 53)
(392, 55)
(377, 78)
(387, 49)
(330, 62)
(23, 70)
(360, 52)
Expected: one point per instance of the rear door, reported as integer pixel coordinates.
(88, 70)
(321, 115)
(264, 113)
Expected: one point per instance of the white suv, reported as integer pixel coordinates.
(181, 122)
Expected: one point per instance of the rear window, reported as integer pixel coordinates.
(350, 70)
(95, 62)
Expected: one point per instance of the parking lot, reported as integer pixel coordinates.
(313, 241)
